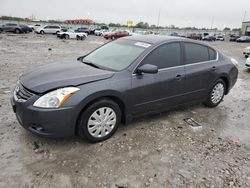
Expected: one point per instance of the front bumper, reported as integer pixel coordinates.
(45, 122)
(247, 65)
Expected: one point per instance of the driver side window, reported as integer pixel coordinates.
(165, 56)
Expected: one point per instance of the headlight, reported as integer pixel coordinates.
(55, 99)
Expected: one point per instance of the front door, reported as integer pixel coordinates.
(165, 88)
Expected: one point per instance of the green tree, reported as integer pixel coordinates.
(226, 29)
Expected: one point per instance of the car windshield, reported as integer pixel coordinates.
(71, 30)
(116, 55)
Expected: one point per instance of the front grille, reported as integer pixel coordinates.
(22, 93)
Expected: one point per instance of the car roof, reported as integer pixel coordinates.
(155, 39)
(158, 39)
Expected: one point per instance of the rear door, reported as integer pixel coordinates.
(165, 88)
(200, 69)
(47, 29)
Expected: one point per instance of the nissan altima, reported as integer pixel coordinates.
(133, 75)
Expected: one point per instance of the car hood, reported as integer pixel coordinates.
(62, 74)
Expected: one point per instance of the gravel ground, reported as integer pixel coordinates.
(157, 151)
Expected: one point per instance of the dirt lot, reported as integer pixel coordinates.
(155, 151)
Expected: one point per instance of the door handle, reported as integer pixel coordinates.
(178, 77)
(213, 68)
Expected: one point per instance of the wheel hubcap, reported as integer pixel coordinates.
(102, 122)
(217, 93)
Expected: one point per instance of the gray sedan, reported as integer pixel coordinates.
(134, 75)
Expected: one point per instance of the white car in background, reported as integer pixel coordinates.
(246, 51)
(71, 34)
(48, 29)
(35, 26)
(100, 32)
(248, 63)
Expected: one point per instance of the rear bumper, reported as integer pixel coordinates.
(233, 78)
(45, 122)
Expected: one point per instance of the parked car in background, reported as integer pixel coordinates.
(104, 27)
(117, 34)
(243, 39)
(220, 37)
(248, 63)
(118, 81)
(174, 34)
(71, 34)
(15, 28)
(233, 38)
(246, 52)
(64, 28)
(194, 36)
(48, 29)
(83, 30)
(209, 38)
(100, 32)
(35, 26)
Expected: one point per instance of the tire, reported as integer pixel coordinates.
(66, 36)
(83, 37)
(246, 56)
(216, 94)
(100, 129)
(1, 30)
(17, 31)
(112, 38)
(42, 32)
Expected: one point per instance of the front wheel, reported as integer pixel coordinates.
(100, 120)
(216, 94)
(66, 36)
(83, 37)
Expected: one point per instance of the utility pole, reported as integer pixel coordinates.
(158, 20)
(212, 23)
(244, 17)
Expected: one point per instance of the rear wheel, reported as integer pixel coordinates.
(17, 31)
(216, 94)
(100, 120)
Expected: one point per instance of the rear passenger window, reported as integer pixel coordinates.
(165, 56)
(195, 53)
(212, 54)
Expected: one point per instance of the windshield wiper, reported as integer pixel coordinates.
(91, 64)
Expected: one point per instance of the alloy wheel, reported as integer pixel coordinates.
(217, 93)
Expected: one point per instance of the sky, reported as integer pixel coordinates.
(181, 13)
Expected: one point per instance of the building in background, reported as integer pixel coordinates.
(245, 29)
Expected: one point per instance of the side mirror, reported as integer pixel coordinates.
(147, 68)
(81, 58)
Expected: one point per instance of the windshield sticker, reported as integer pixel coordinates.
(142, 44)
